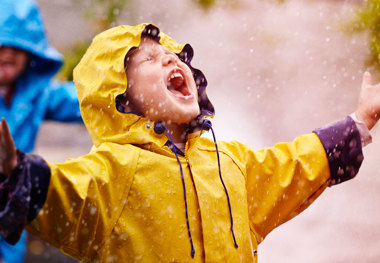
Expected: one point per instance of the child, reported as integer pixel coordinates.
(152, 189)
(28, 96)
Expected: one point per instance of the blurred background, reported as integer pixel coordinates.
(276, 69)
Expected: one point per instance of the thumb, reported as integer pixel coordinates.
(366, 79)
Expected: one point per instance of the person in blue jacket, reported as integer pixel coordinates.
(28, 95)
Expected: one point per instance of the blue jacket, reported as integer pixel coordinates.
(37, 97)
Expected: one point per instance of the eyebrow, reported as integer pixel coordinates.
(135, 50)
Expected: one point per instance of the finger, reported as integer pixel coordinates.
(366, 78)
(1, 133)
(8, 140)
(3, 152)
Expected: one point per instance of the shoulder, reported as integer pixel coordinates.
(235, 150)
(228, 147)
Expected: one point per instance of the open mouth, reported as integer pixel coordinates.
(7, 68)
(176, 84)
(7, 63)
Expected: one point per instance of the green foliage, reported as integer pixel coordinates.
(103, 13)
(368, 19)
(206, 4)
(72, 58)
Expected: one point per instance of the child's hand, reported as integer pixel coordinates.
(368, 109)
(8, 157)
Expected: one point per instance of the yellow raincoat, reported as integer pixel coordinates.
(124, 201)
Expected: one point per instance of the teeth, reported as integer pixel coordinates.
(176, 75)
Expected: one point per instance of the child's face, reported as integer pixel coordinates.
(12, 64)
(160, 85)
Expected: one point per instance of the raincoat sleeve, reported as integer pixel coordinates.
(63, 103)
(284, 180)
(84, 200)
(22, 194)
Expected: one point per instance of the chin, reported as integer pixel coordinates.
(178, 115)
(187, 118)
(179, 119)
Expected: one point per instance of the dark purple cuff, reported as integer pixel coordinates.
(22, 195)
(343, 147)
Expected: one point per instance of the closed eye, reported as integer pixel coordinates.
(168, 52)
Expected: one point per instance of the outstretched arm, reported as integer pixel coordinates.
(24, 180)
(63, 103)
(74, 197)
(285, 179)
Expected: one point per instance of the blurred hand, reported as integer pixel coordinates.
(8, 157)
(368, 109)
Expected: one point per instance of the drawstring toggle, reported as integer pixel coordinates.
(159, 128)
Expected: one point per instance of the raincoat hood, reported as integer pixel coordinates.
(22, 27)
(100, 77)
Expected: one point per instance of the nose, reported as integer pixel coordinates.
(169, 59)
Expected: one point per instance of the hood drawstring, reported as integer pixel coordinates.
(206, 124)
(159, 128)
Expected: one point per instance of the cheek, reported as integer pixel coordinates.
(9, 72)
(156, 102)
(21, 61)
(151, 99)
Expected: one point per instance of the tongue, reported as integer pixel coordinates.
(175, 83)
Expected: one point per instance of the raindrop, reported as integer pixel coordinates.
(123, 236)
(93, 210)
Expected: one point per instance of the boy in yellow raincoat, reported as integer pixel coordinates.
(152, 189)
